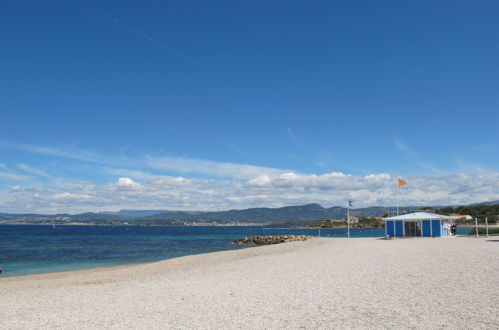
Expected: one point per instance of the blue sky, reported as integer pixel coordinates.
(258, 103)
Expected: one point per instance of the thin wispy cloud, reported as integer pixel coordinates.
(415, 158)
(209, 168)
(486, 147)
(9, 174)
(35, 171)
(155, 41)
(402, 146)
(291, 136)
(13, 176)
(466, 165)
(232, 147)
(70, 152)
(324, 159)
(184, 165)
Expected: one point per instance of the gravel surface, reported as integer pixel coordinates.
(321, 283)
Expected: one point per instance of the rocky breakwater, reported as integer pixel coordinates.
(267, 240)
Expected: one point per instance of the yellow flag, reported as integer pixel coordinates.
(401, 182)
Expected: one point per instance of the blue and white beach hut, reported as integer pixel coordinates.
(418, 224)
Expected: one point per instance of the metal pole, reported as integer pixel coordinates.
(397, 183)
(476, 226)
(348, 219)
(487, 226)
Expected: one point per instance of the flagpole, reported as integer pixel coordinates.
(348, 219)
(397, 183)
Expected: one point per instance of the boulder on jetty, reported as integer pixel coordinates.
(267, 240)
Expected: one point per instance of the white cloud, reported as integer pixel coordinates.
(172, 182)
(126, 182)
(71, 196)
(287, 189)
(154, 179)
(260, 180)
(16, 188)
(148, 182)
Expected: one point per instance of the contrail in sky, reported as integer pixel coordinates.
(156, 41)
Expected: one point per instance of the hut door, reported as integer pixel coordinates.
(412, 228)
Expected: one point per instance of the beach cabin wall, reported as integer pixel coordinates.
(418, 224)
(434, 228)
(430, 228)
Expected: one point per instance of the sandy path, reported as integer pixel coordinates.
(321, 283)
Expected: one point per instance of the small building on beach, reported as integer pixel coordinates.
(461, 217)
(418, 224)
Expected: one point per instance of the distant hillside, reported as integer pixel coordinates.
(287, 214)
(485, 203)
(302, 213)
(481, 211)
(295, 214)
(89, 217)
(135, 213)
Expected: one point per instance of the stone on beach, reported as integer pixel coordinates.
(267, 240)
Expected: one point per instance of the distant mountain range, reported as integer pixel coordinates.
(485, 203)
(134, 213)
(261, 215)
(302, 213)
(309, 212)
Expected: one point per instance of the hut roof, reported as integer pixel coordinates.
(419, 216)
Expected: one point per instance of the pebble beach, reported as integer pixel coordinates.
(321, 283)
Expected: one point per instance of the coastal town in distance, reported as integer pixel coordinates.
(311, 215)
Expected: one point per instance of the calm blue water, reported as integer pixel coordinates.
(41, 249)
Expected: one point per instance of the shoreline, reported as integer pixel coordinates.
(318, 283)
(187, 259)
(169, 242)
(90, 269)
(248, 224)
(341, 227)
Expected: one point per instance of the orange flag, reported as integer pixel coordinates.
(401, 182)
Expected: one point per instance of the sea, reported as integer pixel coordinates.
(35, 249)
